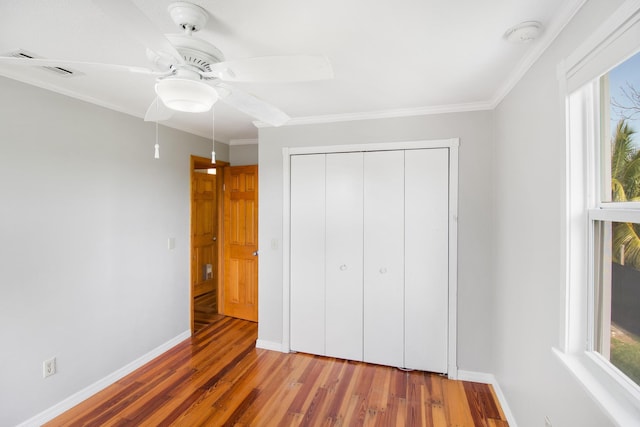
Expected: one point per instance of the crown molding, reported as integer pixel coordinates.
(560, 20)
(71, 94)
(248, 141)
(99, 102)
(384, 114)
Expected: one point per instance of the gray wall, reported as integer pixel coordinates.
(85, 214)
(475, 204)
(222, 151)
(529, 194)
(242, 155)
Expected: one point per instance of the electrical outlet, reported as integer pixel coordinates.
(48, 367)
(547, 422)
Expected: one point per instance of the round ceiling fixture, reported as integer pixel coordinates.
(523, 32)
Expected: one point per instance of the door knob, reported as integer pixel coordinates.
(383, 270)
(255, 253)
(214, 238)
(343, 267)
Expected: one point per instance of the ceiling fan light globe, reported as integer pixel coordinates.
(186, 95)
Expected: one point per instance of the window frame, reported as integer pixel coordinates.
(582, 93)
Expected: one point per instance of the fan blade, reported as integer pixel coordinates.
(251, 105)
(136, 23)
(273, 69)
(61, 63)
(157, 111)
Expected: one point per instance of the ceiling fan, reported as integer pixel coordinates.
(191, 73)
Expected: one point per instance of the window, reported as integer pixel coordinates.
(600, 343)
(614, 225)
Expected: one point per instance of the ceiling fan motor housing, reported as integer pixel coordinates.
(188, 16)
(196, 52)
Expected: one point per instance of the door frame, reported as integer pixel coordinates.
(452, 144)
(197, 162)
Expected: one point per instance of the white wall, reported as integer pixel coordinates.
(529, 194)
(85, 214)
(475, 234)
(241, 155)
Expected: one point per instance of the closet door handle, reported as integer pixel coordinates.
(383, 270)
(343, 267)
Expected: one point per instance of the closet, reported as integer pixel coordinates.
(369, 256)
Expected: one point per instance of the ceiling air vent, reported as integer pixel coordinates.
(59, 71)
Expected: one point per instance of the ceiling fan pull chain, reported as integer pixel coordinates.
(156, 154)
(213, 135)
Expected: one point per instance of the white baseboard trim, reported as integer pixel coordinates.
(85, 393)
(482, 377)
(270, 345)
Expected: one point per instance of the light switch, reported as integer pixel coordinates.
(275, 244)
(171, 243)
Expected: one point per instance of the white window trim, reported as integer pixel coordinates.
(614, 41)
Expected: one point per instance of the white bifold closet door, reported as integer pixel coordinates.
(308, 203)
(326, 254)
(344, 284)
(369, 256)
(384, 257)
(426, 259)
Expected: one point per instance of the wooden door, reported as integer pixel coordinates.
(384, 257)
(204, 226)
(240, 296)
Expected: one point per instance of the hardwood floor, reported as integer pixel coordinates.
(219, 378)
(205, 310)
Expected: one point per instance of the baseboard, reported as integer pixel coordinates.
(481, 377)
(84, 394)
(270, 345)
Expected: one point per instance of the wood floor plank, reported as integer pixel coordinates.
(218, 378)
(458, 412)
(343, 390)
(205, 310)
(273, 375)
(283, 394)
(377, 397)
(494, 397)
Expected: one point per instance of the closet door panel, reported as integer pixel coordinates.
(307, 322)
(384, 257)
(426, 258)
(344, 255)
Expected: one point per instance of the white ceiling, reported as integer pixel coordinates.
(389, 57)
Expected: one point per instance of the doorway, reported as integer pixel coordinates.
(206, 232)
(224, 242)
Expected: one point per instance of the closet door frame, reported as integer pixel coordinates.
(452, 145)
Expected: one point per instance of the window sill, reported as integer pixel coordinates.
(619, 401)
